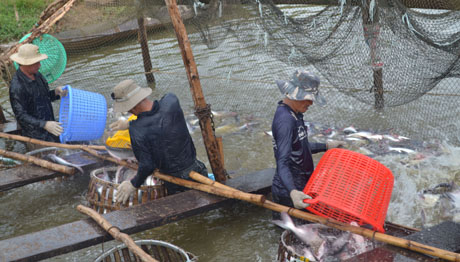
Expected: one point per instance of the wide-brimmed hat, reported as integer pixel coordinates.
(28, 55)
(302, 86)
(127, 94)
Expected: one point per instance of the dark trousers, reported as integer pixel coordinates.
(197, 166)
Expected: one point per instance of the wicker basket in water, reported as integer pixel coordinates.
(159, 250)
(101, 191)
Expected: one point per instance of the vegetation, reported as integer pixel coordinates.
(18, 16)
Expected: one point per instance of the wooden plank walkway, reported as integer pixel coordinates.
(28, 173)
(85, 233)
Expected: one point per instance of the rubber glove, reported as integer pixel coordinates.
(54, 127)
(60, 91)
(124, 190)
(121, 124)
(334, 144)
(297, 198)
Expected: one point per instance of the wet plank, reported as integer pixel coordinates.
(85, 233)
(28, 173)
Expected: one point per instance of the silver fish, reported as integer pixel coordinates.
(367, 135)
(121, 153)
(287, 223)
(9, 161)
(61, 161)
(401, 150)
(350, 130)
(444, 197)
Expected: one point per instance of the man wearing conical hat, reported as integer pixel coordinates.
(31, 98)
(159, 137)
(293, 152)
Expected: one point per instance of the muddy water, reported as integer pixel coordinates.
(242, 232)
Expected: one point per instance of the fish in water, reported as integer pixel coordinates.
(444, 195)
(233, 128)
(61, 161)
(367, 135)
(401, 150)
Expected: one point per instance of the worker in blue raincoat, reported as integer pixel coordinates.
(293, 152)
(31, 98)
(159, 136)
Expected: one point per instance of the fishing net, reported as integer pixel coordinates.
(384, 64)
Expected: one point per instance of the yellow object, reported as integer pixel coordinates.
(121, 138)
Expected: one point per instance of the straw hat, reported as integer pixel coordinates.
(302, 86)
(127, 94)
(28, 55)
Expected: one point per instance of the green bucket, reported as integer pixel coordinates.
(53, 67)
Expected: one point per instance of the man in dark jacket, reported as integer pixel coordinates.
(31, 98)
(293, 152)
(159, 137)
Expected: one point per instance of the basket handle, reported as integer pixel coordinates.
(311, 201)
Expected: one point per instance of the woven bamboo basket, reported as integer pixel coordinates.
(159, 250)
(101, 191)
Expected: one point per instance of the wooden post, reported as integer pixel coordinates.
(212, 147)
(145, 50)
(371, 30)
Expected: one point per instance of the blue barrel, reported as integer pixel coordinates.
(83, 115)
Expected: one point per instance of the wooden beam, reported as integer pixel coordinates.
(201, 108)
(85, 233)
(28, 174)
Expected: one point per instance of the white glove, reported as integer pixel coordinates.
(124, 190)
(121, 124)
(60, 91)
(334, 144)
(297, 198)
(54, 127)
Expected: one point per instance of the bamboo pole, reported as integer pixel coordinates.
(39, 162)
(47, 143)
(374, 235)
(253, 198)
(116, 234)
(212, 147)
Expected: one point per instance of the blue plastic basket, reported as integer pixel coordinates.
(83, 115)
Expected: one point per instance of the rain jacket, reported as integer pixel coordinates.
(160, 139)
(293, 152)
(31, 103)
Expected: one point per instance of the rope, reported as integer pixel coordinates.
(202, 113)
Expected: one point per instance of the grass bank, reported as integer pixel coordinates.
(18, 17)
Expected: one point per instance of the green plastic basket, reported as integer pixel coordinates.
(53, 67)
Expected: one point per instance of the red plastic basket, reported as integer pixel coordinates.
(348, 186)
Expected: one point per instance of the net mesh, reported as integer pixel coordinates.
(383, 65)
